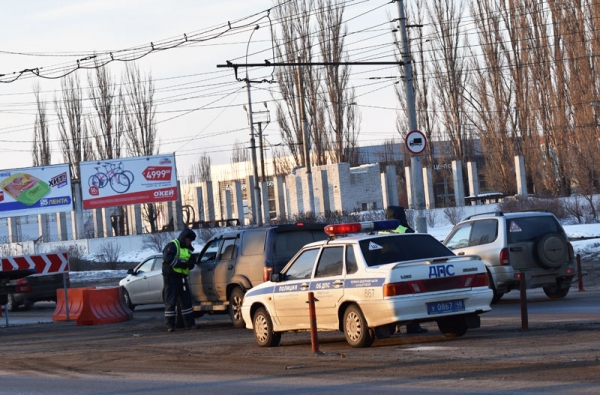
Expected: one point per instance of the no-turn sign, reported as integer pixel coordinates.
(416, 142)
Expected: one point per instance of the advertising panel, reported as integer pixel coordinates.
(35, 190)
(126, 181)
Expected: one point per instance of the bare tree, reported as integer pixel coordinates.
(41, 134)
(341, 112)
(140, 129)
(200, 171)
(295, 39)
(137, 111)
(102, 95)
(74, 142)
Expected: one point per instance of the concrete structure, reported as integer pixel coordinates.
(348, 189)
(521, 176)
(457, 177)
(473, 179)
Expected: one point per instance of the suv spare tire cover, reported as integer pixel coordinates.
(551, 250)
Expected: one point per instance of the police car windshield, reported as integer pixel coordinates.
(399, 248)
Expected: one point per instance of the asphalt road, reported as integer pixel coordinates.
(557, 355)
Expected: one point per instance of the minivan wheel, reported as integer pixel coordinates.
(497, 294)
(557, 291)
(235, 308)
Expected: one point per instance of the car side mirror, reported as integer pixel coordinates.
(130, 271)
(275, 277)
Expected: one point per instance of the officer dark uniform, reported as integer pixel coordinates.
(176, 267)
(397, 212)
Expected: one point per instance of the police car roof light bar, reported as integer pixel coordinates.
(357, 227)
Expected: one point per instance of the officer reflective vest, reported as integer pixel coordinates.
(182, 255)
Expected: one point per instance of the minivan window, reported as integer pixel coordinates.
(530, 228)
(484, 231)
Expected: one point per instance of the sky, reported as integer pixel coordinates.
(199, 106)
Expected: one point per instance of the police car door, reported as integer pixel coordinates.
(291, 294)
(328, 285)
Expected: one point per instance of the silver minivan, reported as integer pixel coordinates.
(532, 243)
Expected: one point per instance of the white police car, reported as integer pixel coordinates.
(367, 284)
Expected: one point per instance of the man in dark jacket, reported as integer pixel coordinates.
(176, 265)
(397, 212)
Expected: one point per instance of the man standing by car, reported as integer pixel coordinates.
(176, 267)
(397, 212)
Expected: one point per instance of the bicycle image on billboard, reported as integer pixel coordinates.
(127, 181)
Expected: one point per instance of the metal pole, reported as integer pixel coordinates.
(314, 338)
(256, 211)
(262, 157)
(306, 140)
(416, 168)
(523, 297)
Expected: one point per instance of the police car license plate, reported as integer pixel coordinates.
(449, 306)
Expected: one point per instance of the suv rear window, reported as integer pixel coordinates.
(530, 228)
(288, 243)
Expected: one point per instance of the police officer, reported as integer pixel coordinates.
(397, 212)
(176, 267)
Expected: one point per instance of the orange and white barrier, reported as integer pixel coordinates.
(92, 306)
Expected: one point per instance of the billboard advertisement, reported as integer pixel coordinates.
(35, 190)
(127, 181)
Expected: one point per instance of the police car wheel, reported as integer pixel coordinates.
(263, 329)
(453, 326)
(356, 329)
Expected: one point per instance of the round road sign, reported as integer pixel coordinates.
(416, 142)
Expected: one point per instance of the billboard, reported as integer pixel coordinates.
(126, 181)
(35, 190)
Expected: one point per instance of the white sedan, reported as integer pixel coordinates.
(367, 284)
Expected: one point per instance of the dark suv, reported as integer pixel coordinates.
(531, 243)
(235, 261)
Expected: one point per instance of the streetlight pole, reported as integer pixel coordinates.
(256, 210)
(416, 168)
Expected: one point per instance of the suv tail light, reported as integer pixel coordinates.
(22, 281)
(267, 273)
(504, 257)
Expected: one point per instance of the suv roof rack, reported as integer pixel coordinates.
(496, 213)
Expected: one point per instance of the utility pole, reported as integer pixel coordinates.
(416, 168)
(305, 139)
(263, 175)
(256, 210)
